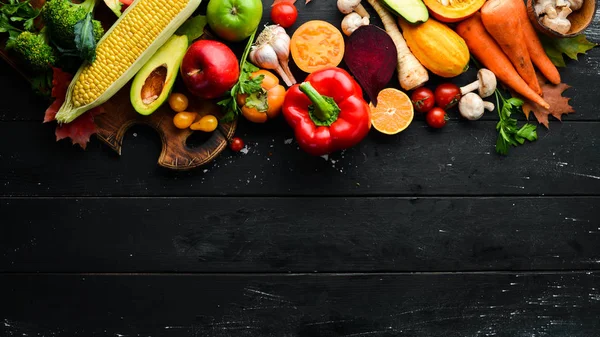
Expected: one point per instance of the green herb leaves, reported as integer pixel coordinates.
(571, 47)
(245, 85)
(17, 16)
(508, 132)
(193, 27)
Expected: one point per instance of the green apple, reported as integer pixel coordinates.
(234, 20)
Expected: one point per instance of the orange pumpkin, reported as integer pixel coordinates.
(438, 48)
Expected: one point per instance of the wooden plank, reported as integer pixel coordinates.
(301, 305)
(457, 160)
(299, 234)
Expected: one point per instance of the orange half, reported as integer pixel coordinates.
(394, 111)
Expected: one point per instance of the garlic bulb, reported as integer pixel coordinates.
(272, 51)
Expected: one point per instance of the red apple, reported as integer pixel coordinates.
(209, 68)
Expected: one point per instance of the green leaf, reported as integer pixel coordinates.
(85, 42)
(115, 6)
(193, 27)
(528, 132)
(244, 85)
(571, 47)
(508, 133)
(554, 55)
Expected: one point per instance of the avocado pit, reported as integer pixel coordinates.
(154, 84)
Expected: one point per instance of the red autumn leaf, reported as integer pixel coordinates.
(80, 129)
(60, 85)
(559, 105)
(83, 126)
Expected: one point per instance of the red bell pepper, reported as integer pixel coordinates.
(327, 112)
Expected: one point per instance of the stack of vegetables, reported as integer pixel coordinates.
(152, 42)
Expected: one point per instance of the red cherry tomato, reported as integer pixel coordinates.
(436, 118)
(237, 144)
(447, 95)
(422, 99)
(284, 14)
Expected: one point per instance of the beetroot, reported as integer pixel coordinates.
(371, 57)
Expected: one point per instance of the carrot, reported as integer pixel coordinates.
(411, 73)
(505, 27)
(534, 46)
(489, 53)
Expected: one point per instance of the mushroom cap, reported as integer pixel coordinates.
(347, 6)
(471, 106)
(487, 82)
(352, 22)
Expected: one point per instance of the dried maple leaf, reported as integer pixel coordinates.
(80, 129)
(83, 126)
(570, 47)
(559, 105)
(60, 85)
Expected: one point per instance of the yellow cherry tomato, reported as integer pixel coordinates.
(207, 123)
(184, 119)
(178, 102)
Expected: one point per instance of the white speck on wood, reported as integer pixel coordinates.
(514, 186)
(585, 175)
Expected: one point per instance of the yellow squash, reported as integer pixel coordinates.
(142, 29)
(437, 47)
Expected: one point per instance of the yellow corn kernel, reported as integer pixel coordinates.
(125, 44)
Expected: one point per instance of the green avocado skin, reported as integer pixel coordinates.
(169, 56)
(413, 11)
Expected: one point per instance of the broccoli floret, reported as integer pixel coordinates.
(34, 50)
(61, 16)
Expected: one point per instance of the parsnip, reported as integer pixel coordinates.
(411, 73)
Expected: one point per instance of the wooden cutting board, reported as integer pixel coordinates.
(120, 115)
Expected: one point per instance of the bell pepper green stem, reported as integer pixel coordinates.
(324, 107)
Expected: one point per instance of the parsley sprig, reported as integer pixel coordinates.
(508, 133)
(244, 85)
(17, 16)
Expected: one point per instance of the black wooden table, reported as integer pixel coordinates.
(427, 233)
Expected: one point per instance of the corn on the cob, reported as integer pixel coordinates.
(143, 28)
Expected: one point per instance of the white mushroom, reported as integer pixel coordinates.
(562, 3)
(472, 107)
(547, 7)
(348, 6)
(485, 84)
(560, 23)
(352, 21)
(575, 4)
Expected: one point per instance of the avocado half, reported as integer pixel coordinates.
(413, 11)
(153, 83)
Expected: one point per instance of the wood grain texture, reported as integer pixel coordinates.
(175, 154)
(458, 160)
(427, 305)
(299, 234)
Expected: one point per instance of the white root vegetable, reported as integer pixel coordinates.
(411, 73)
(352, 21)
